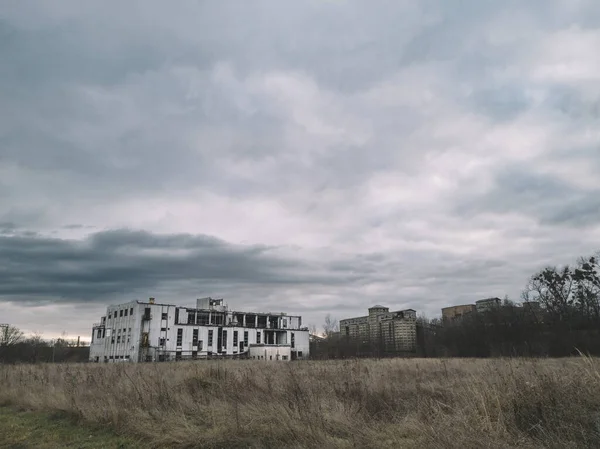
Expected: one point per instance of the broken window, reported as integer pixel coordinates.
(191, 317)
(203, 318)
(179, 337)
(273, 322)
(235, 338)
(195, 338)
(210, 337)
(299, 353)
(293, 340)
(162, 341)
(119, 339)
(258, 338)
(245, 338)
(218, 319)
(164, 316)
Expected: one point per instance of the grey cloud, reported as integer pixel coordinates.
(112, 103)
(121, 261)
(542, 197)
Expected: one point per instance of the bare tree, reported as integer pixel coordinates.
(330, 326)
(10, 335)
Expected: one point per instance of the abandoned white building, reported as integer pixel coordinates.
(395, 331)
(147, 331)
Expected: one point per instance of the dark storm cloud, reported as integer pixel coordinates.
(122, 261)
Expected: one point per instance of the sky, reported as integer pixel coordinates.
(309, 157)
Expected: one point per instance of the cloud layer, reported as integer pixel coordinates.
(313, 157)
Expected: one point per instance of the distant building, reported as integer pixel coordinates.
(395, 331)
(146, 331)
(485, 305)
(455, 312)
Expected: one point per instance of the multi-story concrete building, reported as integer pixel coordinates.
(147, 331)
(394, 331)
(485, 305)
(454, 312)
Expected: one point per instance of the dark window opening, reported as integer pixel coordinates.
(225, 339)
(284, 357)
(162, 342)
(131, 311)
(245, 338)
(239, 317)
(262, 321)
(176, 315)
(194, 354)
(203, 318)
(210, 337)
(164, 316)
(191, 317)
(99, 333)
(178, 355)
(195, 338)
(250, 320)
(147, 313)
(293, 340)
(235, 338)
(121, 312)
(258, 338)
(179, 337)
(273, 320)
(125, 312)
(299, 353)
(119, 339)
(163, 329)
(218, 319)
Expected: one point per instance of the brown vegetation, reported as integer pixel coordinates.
(391, 403)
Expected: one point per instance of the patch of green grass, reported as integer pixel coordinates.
(25, 429)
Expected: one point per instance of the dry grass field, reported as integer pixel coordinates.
(393, 403)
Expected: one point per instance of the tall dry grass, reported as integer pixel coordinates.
(500, 403)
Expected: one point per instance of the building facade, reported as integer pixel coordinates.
(455, 312)
(393, 331)
(485, 305)
(147, 331)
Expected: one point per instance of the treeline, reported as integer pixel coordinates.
(15, 348)
(559, 315)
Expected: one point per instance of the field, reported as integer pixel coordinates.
(393, 403)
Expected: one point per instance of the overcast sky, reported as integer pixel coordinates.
(310, 157)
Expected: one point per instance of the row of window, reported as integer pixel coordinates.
(120, 313)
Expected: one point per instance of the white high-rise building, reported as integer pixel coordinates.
(148, 331)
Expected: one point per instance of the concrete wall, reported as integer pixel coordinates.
(270, 353)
